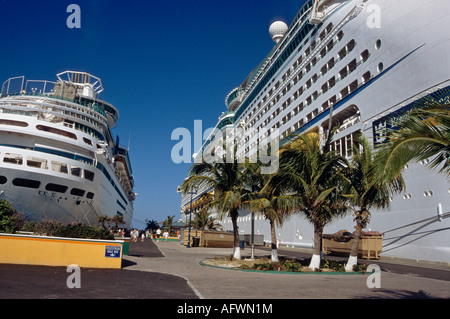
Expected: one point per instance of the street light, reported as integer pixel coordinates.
(193, 191)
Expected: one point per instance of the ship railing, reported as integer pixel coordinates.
(93, 106)
(324, 43)
(56, 110)
(225, 114)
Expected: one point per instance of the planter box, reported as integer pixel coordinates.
(209, 238)
(218, 239)
(368, 247)
(194, 233)
(58, 251)
(126, 244)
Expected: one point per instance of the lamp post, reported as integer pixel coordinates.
(192, 192)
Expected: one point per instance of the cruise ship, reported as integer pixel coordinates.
(58, 157)
(350, 65)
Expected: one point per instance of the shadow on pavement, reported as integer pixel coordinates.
(43, 282)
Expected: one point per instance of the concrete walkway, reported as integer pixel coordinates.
(168, 270)
(215, 283)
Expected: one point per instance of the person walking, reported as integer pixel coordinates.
(134, 235)
(166, 234)
(158, 234)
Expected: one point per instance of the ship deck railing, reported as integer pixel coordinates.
(93, 106)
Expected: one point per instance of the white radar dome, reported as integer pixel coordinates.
(277, 30)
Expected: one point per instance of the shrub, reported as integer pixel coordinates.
(264, 266)
(292, 265)
(82, 231)
(333, 265)
(53, 228)
(7, 220)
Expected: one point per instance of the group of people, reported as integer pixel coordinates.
(134, 234)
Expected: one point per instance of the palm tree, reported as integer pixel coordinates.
(117, 219)
(276, 209)
(151, 224)
(226, 177)
(364, 191)
(267, 200)
(103, 219)
(422, 133)
(203, 220)
(168, 222)
(313, 174)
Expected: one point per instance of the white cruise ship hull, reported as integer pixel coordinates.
(398, 61)
(58, 160)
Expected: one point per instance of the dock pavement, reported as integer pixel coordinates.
(168, 270)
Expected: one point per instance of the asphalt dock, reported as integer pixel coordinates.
(168, 270)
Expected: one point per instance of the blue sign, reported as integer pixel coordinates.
(112, 251)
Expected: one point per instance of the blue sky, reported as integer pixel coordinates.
(163, 64)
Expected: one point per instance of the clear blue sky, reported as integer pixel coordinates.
(163, 64)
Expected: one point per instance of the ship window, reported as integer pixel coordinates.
(56, 131)
(365, 55)
(56, 188)
(87, 141)
(13, 159)
(23, 182)
(15, 123)
(366, 77)
(378, 44)
(75, 171)
(89, 175)
(59, 167)
(90, 195)
(37, 162)
(77, 192)
(3, 180)
(380, 67)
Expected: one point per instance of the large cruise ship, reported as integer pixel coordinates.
(58, 157)
(350, 64)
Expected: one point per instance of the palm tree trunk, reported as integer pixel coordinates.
(274, 242)
(361, 220)
(317, 255)
(353, 258)
(237, 249)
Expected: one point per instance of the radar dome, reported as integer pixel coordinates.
(277, 30)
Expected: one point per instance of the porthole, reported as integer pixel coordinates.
(378, 44)
(77, 192)
(23, 182)
(3, 180)
(380, 67)
(56, 188)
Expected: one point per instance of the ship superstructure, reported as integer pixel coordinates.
(350, 65)
(58, 157)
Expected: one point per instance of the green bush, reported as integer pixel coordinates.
(264, 266)
(292, 265)
(7, 221)
(82, 231)
(53, 228)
